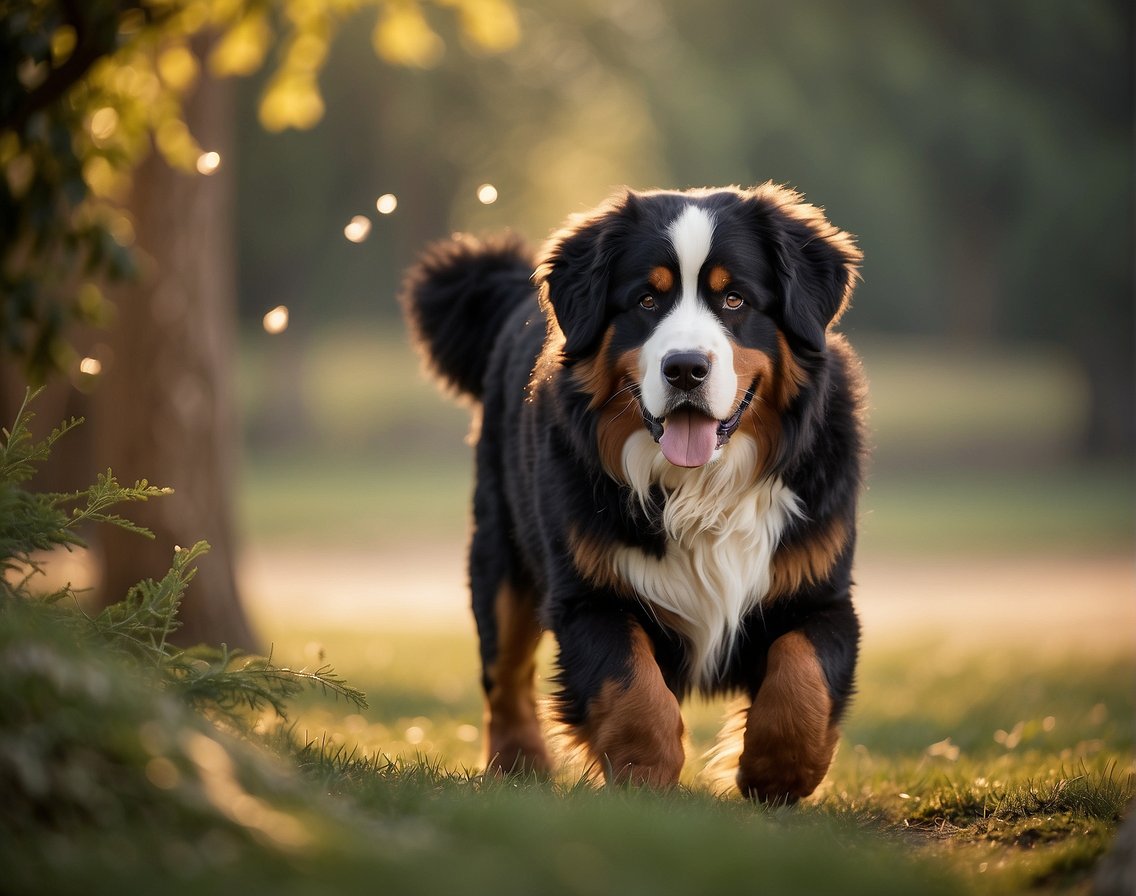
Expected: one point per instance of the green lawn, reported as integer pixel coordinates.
(984, 772)
(1009, 769)
(349, 444)
(365, 503)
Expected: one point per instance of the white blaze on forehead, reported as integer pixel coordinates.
(691, 233)
(690, 325)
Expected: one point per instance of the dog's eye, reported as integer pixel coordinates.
(733, 301)
(648, 302)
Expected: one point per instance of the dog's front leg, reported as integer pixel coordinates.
(793, 723)
(615, 699)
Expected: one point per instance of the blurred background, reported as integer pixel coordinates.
(982, 154)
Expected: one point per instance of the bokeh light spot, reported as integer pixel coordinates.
(276, 320)
(208, 162)
(104, 123)
(358, 228)
(386, 203)
(487, 194)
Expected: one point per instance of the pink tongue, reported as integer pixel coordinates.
(689, 438)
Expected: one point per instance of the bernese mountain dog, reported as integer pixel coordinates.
(668, 460)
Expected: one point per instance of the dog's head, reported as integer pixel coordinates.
(694, 314)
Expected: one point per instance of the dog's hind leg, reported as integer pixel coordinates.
(514, 742)
(505, 609)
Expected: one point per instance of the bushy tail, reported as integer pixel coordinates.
(457, 298)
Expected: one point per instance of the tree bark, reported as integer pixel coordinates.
(165, 408)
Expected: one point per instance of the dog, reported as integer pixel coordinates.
(668, 461)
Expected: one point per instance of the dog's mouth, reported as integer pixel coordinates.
(688, 436)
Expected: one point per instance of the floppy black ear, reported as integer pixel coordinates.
(818, 266)
(574, 273)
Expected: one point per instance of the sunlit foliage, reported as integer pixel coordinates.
(87, 89)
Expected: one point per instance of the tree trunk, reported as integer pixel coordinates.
(164, 410)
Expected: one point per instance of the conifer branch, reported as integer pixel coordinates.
(216, 681)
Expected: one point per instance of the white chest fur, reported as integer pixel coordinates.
(722, 529)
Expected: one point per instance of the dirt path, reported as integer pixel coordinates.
(1074, 604)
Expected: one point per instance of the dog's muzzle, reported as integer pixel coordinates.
(685, 425)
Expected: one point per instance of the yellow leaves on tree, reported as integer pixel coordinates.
(178, 67)
(241, 49)
(135, 96)
(292, 100)
(489, 25)
(402, 36)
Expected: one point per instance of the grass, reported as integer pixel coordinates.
(349, 444)
(987, 773)
(1004, 771)
(113, 785)
(354, 502)
(928, 400)
(362, 387)
(362, 502)
(1067, 509)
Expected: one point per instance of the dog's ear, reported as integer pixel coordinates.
(818, 265)
(574, 272)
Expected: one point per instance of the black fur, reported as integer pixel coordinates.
(494, 335)
(458, 298)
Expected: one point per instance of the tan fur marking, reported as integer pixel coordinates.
(608, 381)
(620, 415)
(750, 364)
(718, 279)
(592, 559)
(594, 374)
(791, 377)
(514, 742)
(808, 561)
(777, 385)
(789, 737)
(661, 279)
(634, 729)
(762, 418)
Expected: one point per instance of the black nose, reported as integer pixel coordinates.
(686, 370)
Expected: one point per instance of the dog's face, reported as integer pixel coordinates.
(694, 315)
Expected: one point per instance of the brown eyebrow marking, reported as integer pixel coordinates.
(661, 279)
(719, 278)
